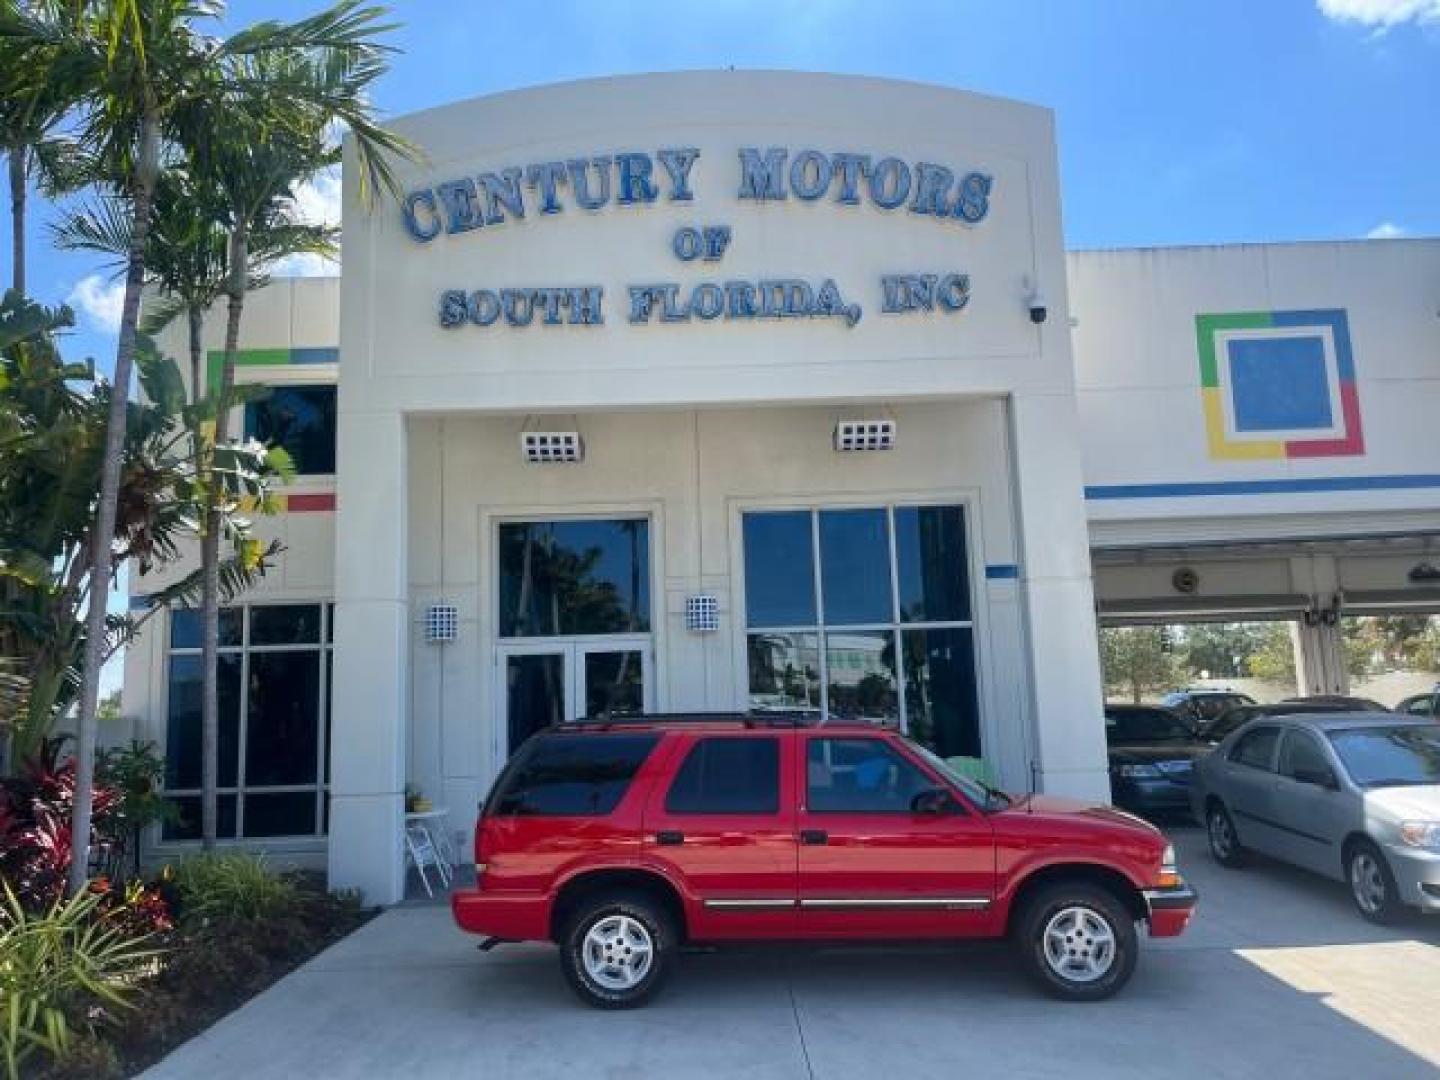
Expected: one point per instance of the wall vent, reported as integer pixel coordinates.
(552, 447)
(864, 435)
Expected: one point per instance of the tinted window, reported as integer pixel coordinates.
(574, 577)
(855, 567)
(1421, 706)
(728, 776)
(282, 731)
(1300, 753)
(1145, 725)
(1228, 721)
(285, 624)
(930, 555)
(1256, 749)
(860, 776)
(779, 569)
(1391, 756)
(571, 775)
(302, 420)
(185, 627)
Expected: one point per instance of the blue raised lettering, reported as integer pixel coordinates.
(635, 183)
(889, 183)
(544, 178)
(677, 162)
(580, 181)
(462, 211)
(686, 243)
(973, 202)
(452, 308)
(483, 307)
(932, 189)
(502, 189)
(585, 307)
(852, 169)
(762, 178)
(717, 239)
(413, 201)
(810, 175)
(953, 291)
(708, 300)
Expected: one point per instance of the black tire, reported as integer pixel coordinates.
(1223, 840)
(634, 917)
(1048, 912)
(1372, 885)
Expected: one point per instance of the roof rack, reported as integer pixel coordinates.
(752, 719)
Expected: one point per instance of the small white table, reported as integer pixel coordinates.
(428, 844)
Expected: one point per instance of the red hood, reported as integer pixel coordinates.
(1058, 806)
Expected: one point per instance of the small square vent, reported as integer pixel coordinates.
(552, 447)
(702, 613)
(864, 435)
(442, 622)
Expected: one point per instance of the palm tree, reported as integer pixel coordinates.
(134, 69)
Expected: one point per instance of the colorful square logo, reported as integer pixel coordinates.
(1278, 384)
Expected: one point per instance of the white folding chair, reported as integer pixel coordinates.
(420, 848)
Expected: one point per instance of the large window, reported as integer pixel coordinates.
(583, 576)
(864, 613)
(571, 775)
(274, 671)
(302, 420)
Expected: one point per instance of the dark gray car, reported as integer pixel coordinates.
(1353, 796)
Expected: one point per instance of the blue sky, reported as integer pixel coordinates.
(1179, 122)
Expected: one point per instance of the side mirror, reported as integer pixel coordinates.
(1319, 777)
(931, 801)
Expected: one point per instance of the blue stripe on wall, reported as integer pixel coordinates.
(1398, 482)
(315, 356)
(1002, 571)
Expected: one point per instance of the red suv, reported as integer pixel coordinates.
(622, 841)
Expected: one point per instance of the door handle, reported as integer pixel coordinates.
(814, 836)
(669, 837)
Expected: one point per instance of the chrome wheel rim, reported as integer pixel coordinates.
(1222, 842)
(1079, 944)
(618, 952)
(1367, 882)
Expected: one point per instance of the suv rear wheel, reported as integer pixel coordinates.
(616, 950)
(1078, 941)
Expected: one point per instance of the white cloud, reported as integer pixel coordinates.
(100, 301)
(1387, 230)
(1381, 14)
(317, 202)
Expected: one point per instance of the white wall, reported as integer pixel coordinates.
(1138, 381)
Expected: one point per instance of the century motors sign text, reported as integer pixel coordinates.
(490, 199)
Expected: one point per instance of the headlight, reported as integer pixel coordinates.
(1138, 771)
(1422, 834)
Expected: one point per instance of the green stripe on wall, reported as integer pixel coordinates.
(1207, 325)
(215, 360)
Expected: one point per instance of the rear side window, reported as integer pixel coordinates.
(571, 775)
(1256, 748)
(728, 776)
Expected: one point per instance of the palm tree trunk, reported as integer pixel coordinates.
(210, 559)
(195, 315)
(17, 217)
(146, 170)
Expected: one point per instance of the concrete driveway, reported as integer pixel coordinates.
(1276, 977)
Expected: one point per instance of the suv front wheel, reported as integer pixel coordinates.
(616, 950)
(1078, 941)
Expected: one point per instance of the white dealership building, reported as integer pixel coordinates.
(735, 390)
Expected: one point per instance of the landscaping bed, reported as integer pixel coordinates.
(208, 964)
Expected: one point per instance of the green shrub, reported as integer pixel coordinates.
(59, 965)
(236, 886)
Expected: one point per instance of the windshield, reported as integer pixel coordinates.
(1145, 725)
(1227, 722)
(1390, 756)
(979, 793)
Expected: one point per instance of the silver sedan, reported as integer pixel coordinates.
(1353, 796)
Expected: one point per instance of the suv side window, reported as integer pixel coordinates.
(860, 776)
(1301, 752)
(571, 775)
(1256, 748)
(727, 775)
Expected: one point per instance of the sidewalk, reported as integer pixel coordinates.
(1276, 978)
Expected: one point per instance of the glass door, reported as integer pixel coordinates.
(556, 682)
(536, 690)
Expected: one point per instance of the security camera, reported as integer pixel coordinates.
(1034, 300)
(1038, 311)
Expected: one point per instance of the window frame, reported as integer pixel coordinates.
(1299, 736)
(323, 650)
(694, 747)
(300, 377)
(969, 503)
(815, 738)
(1233, 755)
